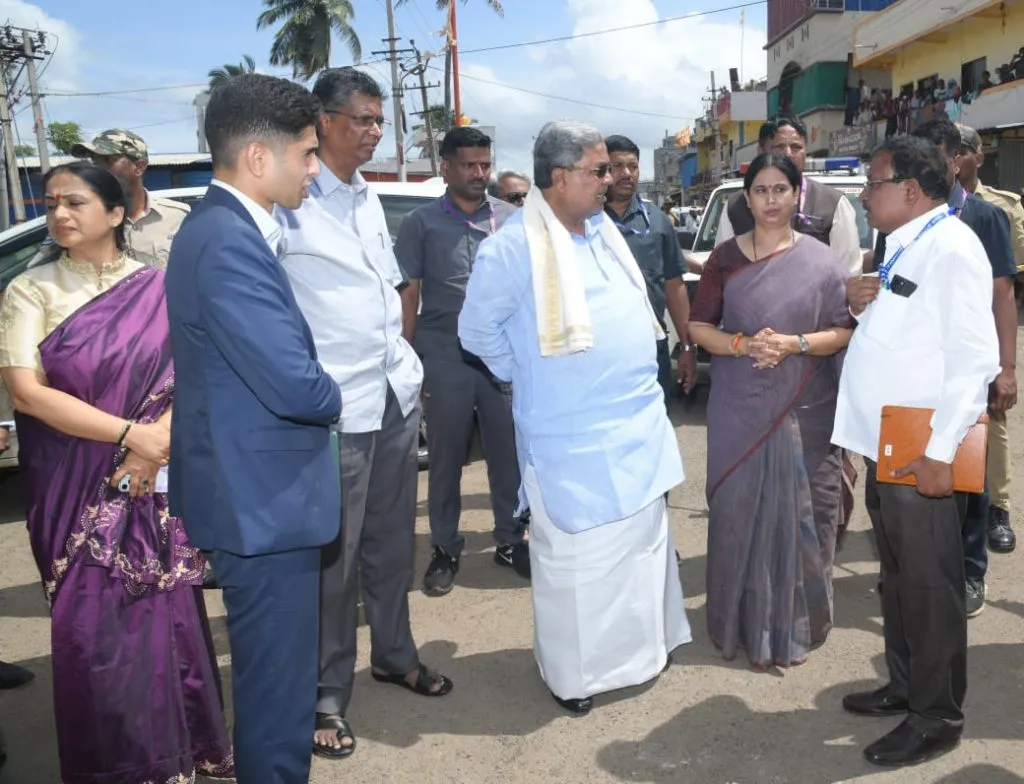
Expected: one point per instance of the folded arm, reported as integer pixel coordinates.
(251, 322)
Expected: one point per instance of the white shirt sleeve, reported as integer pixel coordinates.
(725, 231)
(971, 347)
(845, 239)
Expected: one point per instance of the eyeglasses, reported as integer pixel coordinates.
(363, 121)
(600, 171)
(872, 184)
(515, 198)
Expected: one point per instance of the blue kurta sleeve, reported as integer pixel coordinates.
(494, 294)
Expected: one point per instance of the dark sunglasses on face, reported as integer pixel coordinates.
(515, 198)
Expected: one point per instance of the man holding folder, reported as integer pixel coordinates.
(925, 338)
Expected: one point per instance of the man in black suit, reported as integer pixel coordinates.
(252, 471)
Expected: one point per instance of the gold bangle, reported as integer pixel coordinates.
(124, 431)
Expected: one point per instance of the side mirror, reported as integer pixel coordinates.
(686, 239)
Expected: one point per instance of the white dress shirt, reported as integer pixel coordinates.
(268, 227)
(337, 255)
(844, 238)
(934, 349)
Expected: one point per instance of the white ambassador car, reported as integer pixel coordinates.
(19, 244)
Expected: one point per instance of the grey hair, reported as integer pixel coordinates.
(492, 186)
(336, 86)
(560, 145)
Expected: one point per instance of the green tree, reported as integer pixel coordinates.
(220, 75)
(24, 150)
(303, 42)
(445, 5)
(63, 136)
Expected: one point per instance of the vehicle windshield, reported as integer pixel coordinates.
(705, 240)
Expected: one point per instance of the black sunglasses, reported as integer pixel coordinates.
(515, 198)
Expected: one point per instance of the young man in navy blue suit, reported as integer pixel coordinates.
(252, 471)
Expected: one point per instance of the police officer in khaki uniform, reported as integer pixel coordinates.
(1001, 538)
(152, 222)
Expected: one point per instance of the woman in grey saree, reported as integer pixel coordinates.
(771, 309)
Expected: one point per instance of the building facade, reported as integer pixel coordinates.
(809, 53)
(726, 136)
(940, 53)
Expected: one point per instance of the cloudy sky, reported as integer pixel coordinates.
(640, 82)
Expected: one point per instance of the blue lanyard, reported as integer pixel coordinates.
(447, 206)
(629, 230)
(884, 269)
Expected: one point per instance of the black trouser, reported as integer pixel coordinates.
(923, 599)
(665, 369)
(975, 536)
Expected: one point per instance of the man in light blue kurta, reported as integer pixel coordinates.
(596, 448)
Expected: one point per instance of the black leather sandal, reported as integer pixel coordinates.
(325, 721)
(424, 682)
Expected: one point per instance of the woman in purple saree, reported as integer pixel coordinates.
(85, 351)
(774, 481)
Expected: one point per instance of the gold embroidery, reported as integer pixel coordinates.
(89, 269)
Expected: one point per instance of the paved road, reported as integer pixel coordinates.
(705, 721)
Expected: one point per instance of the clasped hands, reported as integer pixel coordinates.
(768, 348)
(149, 448)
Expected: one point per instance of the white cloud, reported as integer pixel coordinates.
(662, 69)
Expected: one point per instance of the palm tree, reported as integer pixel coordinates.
(445, 5)
(220, 75)
(304, 40)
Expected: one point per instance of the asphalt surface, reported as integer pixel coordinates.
(704, 721)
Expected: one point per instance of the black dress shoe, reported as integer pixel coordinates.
(881, 702)
(910, 745)
(1001, 538)
(580, 707)
(12, 676)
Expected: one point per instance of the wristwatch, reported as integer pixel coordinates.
(804, 345)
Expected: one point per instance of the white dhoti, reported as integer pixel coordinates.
(607, 603)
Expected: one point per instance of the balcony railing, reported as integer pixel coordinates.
(827, 5)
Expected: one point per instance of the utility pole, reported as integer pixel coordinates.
(714, 130)
(420, 70)
(5, 205)
(396, 89)
(37, 99)
(20, 48)
(10, 158)
(454, 44)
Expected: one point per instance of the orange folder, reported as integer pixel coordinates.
(904, 437)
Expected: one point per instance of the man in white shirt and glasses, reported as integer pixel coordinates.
(927, 339)
(337, 254)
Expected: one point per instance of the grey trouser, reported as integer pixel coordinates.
(456, 391)
(375, 551)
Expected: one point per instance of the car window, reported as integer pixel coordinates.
(712, 215)
(867, 241)
(397, 207)
(16, 252)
